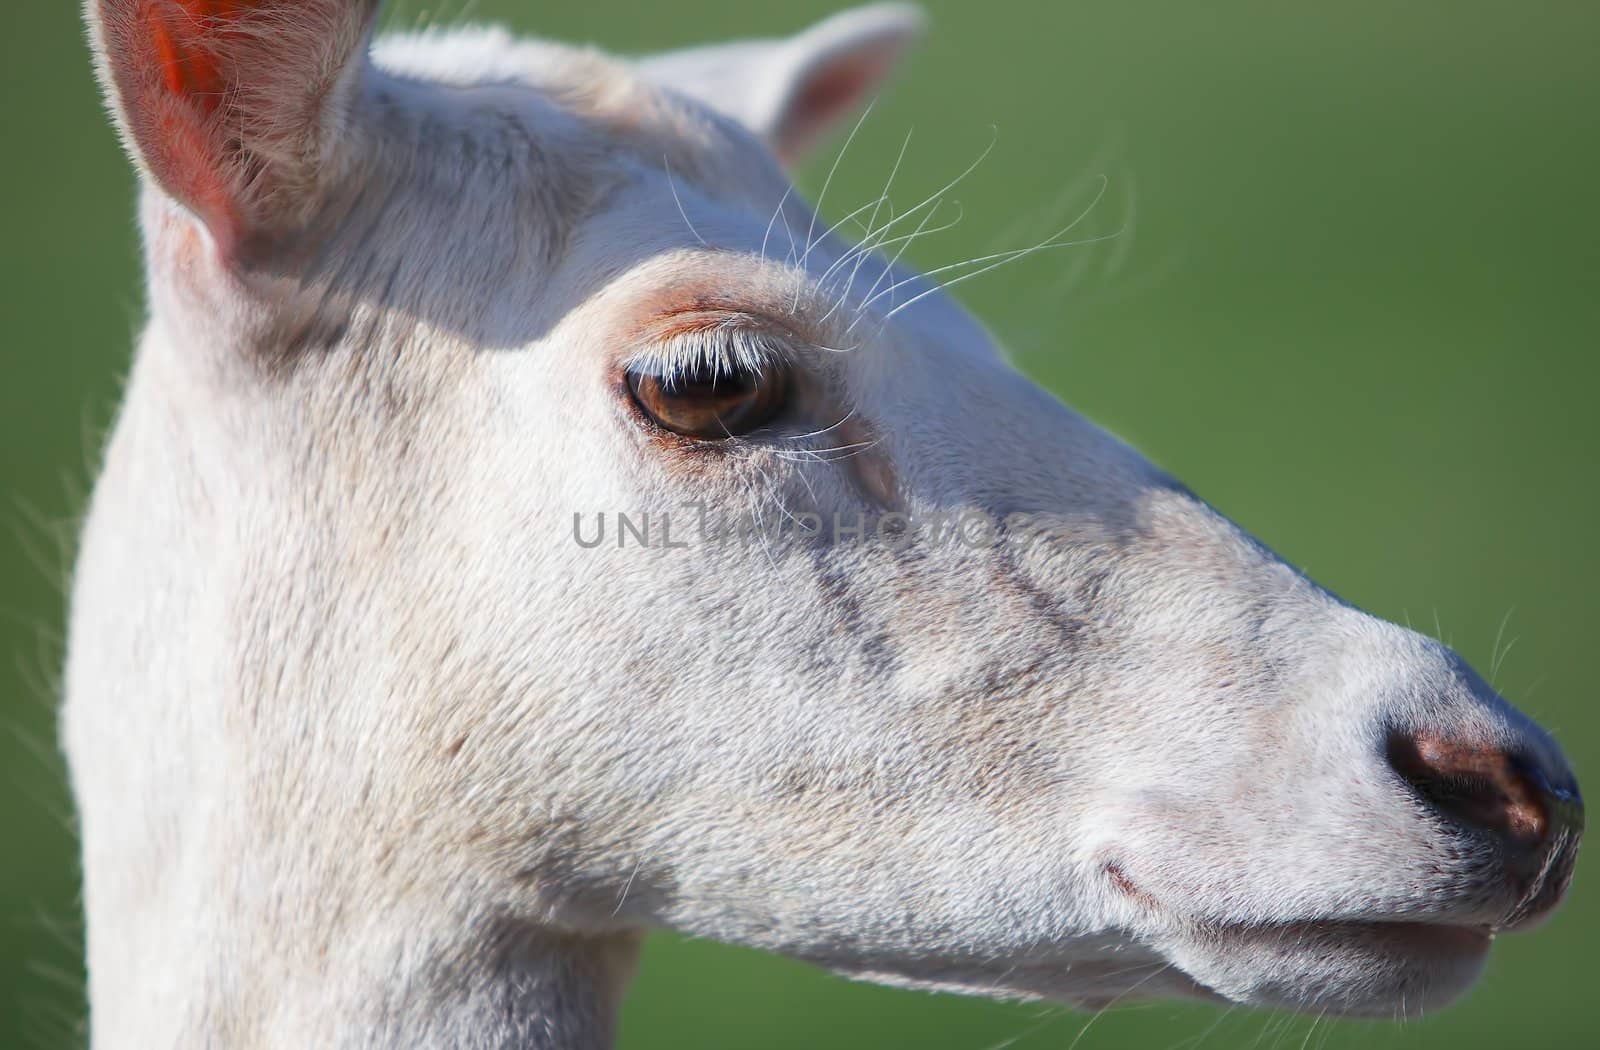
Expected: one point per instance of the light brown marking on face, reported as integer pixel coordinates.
(693, 288)
(708, 313)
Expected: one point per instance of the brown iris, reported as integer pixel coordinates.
(709, 402)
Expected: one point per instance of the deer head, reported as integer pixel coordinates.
(863, 649)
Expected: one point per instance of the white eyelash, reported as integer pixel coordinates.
(727, 348)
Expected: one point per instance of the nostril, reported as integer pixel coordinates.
(1487, 789)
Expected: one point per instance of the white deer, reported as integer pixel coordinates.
(373, 748)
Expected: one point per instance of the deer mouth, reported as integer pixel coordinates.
(1350, 967)
(1421, 940)
(1425, 938)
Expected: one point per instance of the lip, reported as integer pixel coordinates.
(1347, 968)
(1436, 939)
(1296, 963)
(1422, 938)
(1406, 943)
(1433, 940)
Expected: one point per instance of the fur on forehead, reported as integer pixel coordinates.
(626, 111)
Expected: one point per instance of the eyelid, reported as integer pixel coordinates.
(726, 341)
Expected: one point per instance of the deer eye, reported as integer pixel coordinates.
(711, 400)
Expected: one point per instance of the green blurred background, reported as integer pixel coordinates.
(1354, 303)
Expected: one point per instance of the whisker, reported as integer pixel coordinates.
(1116, 999)
(939, 194)
(894, 261)
(1020, 254)
(904, 240)
(782, 201)
(673, 186)
(872, 222)
(818, 433)
(888, 183)
(834, 229)
(1047, 242)
(995, 261)
(822, 455)
(837, 160)
(866, 248)
(1495, 656)
(1123, 249)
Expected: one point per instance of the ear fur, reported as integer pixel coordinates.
(793, 92)
(233, 107)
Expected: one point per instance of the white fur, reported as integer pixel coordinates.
(370, 752)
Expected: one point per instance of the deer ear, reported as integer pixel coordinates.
(793, 92)
(232, 106)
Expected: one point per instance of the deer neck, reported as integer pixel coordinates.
(499, 988)
(519, 988)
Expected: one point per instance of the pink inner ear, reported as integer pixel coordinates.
(223, 99)
(188, 147)
(187, 57)
(828, 94)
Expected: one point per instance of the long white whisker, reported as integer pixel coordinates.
(858, 251)
(999, 259)
(865, 249)
(1499, 636)
(837, 160)
(673, 186)
(782, 202)
(818, 433)
(1022, 254)
(995, 261)
(939, 194)
(1116, 999)
(904, 240)
(826, 451)
(829, 232)
(825, 455)
(1102, 160)
(1124, 247)
(800, 476)
(888, 184)
(1049, 241)
(893, 261)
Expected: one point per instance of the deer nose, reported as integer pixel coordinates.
(1528, 807)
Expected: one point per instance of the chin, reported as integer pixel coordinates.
(1391, 970)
